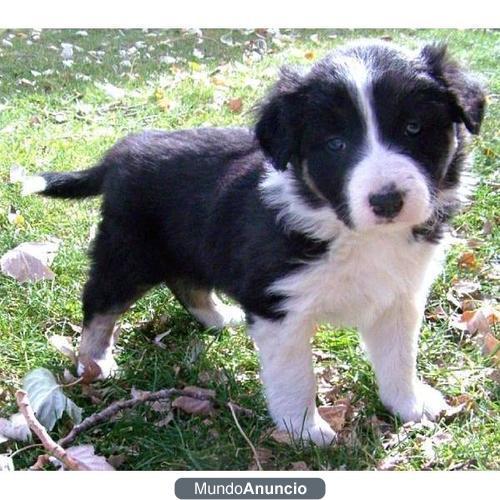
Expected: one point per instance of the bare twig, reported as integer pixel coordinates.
(48, 443)
(58, 449)
(29, 447)
(254, 451)
(106, 414)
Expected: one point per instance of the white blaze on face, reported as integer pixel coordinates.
(381, 168)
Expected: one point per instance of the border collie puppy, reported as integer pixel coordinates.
(331, 209)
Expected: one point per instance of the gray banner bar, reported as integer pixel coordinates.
(256, 488)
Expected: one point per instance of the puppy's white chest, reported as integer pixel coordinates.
(359, 277)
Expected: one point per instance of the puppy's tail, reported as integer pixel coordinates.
(80, 184)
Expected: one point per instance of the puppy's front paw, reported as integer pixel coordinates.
(96, 369)
(320, 433)
(426, 401)
(314, 430)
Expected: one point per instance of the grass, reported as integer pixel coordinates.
(58, 119)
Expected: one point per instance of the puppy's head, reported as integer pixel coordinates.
(373, 131)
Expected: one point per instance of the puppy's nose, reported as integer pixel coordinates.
(386, 204)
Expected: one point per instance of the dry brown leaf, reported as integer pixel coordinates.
(160, 406)
(436, 314)
(194, 406)
(487, 228)
(299, 466)
(457, 406)
(380, 427)
(165, 421)
(467, 261)
(282, 437)
(265, 456)
(490, 346)
(15, 428)
(466, 289)
(86, 456)
(390, 462)
(91, 370)
(337, 414)
(199, 392)
(310, 55)
(428, 446)
(30, 261)
(235, 105)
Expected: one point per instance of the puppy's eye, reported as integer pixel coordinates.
(336, 144)
(413, 127)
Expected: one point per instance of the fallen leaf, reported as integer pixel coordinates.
(199, 392)
(310, 55)
(390, 462)
(428, 445)
(467, 261)
(337, 414)
(242, 411)
(30, 261)
(194, 406)
(299, 466)
(282, 437)
(15, 428)
(47, 398)
(466, 288)
(158, 339)
(265, 456)
(487, 228)
(86, 457)
(380, 427)
(91, 370)
(64, 345)
(111, 90)
(235, 105)
(458, 404)
(165, 421)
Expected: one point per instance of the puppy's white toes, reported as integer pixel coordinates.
(426, 401)
(315, 430)
(96, 369)
(320, 433)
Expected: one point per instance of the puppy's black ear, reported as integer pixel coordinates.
(466, 93)
(279, 119)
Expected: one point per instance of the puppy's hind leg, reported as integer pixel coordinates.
(206, 307)
(119, 275)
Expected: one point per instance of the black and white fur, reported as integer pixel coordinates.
(330, 209)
